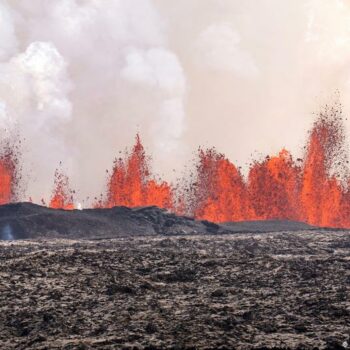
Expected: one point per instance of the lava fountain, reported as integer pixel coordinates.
(314, 189)
(62, 195)
(322, 186)
(8, 175)
(131, 183)
(274, 188)
(219, 192)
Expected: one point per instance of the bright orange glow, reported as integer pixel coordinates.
(132, 185)
(7, 178)
(322, 193)
(310, 190)
(315, 189)
(62, 196)
(274, 188)
(219, 191)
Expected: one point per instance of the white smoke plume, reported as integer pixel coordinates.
(34, 88)
(79, 78)
(160, 70)
(219, 49)
(8, 39)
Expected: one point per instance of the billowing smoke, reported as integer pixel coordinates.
(219, 50)
(79, 78)
(159, 69)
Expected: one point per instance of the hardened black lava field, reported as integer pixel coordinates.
(263, 290)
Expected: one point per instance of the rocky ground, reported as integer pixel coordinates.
(245, 291)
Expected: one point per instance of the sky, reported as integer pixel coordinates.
(79, 79)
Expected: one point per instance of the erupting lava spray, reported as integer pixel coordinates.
(314, 189)
(9, 173)
(219, 192)
(7, 178)
(62, 195)
(131, 183)
(274, 188)
(322, 186)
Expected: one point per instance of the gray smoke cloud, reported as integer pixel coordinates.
(79, 78)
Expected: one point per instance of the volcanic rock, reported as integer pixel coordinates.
(27, 220)
(285, 290)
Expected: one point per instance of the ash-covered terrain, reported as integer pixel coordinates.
(265, 290)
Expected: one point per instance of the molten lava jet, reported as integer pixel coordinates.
(315, 189)
(219, 191)
(274, 187)
(322, 192)
(132, 185)
(8, 176)
(62, 195)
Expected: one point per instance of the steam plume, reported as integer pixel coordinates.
(79, 78)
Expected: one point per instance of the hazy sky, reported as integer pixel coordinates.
(79, 78)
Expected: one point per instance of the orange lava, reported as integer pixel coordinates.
(277, 188)
(322, 193)
(132, 185)
(315, 189)
(7, 178)
(273, 187)
(62, 196)
(308, 190)
(219, 191)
